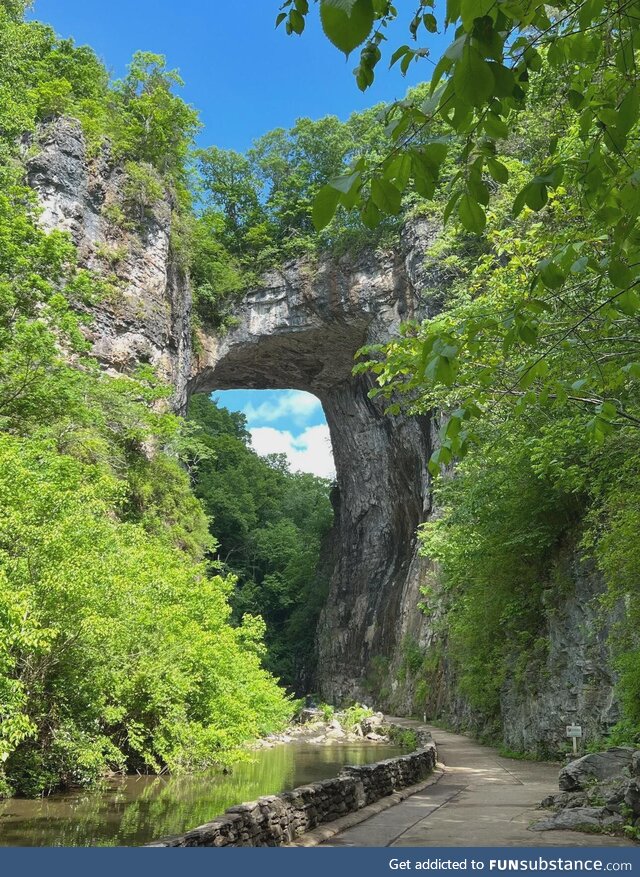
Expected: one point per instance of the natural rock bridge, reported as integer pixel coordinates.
(301, 329)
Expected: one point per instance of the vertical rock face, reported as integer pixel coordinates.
(300, 330)
(146, 318)
(575, 684)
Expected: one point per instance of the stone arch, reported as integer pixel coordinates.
(301, 330)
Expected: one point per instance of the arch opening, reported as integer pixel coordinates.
(301, 330)
(286, 422)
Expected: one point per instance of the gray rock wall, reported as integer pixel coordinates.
(571, 682)
(146, 318)
(576, 682)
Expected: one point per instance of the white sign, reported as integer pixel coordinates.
(574, 731)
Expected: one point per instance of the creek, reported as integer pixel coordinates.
(135, 810)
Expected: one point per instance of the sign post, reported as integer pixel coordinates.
(575, 732)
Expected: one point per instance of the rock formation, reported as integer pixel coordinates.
(147, 318)
(301, 329)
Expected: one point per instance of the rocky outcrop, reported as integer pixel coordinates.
(598, 792)
(595, 768)
(144, 314)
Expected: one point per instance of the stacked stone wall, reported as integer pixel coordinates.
(276, 820)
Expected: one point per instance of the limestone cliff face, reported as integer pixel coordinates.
(147, 318)
(300, 330)
(568, 680)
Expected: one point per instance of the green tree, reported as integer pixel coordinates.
(117, 645)
(481, 89)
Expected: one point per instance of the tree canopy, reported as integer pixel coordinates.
(580, 286)
(118, 650)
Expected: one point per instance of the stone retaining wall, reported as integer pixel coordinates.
(276, 820)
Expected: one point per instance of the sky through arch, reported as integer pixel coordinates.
(289, 422)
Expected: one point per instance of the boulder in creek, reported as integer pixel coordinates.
(377, 738)
(371, 723)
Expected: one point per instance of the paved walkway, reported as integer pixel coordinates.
(482, 799)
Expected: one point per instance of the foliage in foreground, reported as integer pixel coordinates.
(531, 123)
(583, 277)
(117, 648)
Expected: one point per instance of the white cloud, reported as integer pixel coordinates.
(293, 404)
(309, 452)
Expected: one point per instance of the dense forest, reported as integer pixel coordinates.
(271, 525)
(150, 600)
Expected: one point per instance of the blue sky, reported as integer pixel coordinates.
(285, 422)
(245, 77)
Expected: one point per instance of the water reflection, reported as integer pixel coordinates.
(136, 810)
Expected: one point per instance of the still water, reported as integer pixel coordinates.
(136, 810)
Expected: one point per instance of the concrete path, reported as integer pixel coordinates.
(482, 799)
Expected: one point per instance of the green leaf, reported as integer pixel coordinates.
(619, 274)
(430, 22)
(404, 64)
(385, 196)
(442, 456)
(551, 274)
(627, 115)
(495, 127)
(471, 214)
(628, 303)
(347, 23)
(398, 54)
(443, 66)
(434, 155)
(370, 214)
(453, 10)
(472, 78)
(296, 22)
(399, 170)
(324, 206)
(344, 183)
(536, 195)
(472, 9)
(498, 171)
(451, 203)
